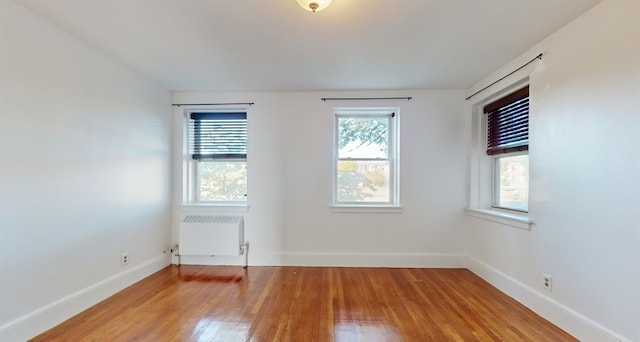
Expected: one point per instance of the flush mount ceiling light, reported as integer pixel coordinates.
(314, 5)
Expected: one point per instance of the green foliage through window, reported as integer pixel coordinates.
(363, 133)
(222, 180)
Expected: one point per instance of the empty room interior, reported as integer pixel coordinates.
(221, 141)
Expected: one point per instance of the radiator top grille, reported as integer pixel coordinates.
(211, 219)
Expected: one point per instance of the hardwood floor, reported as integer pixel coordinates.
(211, 303)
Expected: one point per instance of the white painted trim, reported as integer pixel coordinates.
(521, 221)
(367, 209)
(416, 260)
(396, 260)
(581, 327)
(214, 208)
(50, 315)
(393, 153)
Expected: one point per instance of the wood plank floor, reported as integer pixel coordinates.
(211, 303)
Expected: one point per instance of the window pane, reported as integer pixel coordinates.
(363, 137)
(222, 180)
(513, 182)
(363, 181)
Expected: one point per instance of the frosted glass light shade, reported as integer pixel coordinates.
(314, 5)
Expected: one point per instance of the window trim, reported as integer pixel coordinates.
(190, 179)
(504, 217)
(393, 159)
(481, 175)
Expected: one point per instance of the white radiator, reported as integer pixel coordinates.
(211, 235)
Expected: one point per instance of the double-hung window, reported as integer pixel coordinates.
(365, 157)
(218, 156)
(508, 145)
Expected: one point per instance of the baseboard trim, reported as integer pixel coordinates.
(48, 316)
(396, 260)
(579, 326)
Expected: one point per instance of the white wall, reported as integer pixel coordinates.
(92, 180)
(289, 183)
(84, 174)
(585, 180)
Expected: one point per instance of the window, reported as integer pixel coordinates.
(365, 162)
(218, 156)
(508, 145)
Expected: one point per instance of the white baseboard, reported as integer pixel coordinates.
(48, 316)
(579, 326)
(410, 260)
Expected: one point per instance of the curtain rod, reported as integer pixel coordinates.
(364, 98)
(213, 104)
(505, 76)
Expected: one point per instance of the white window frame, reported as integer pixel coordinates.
(393, 158)
(482, 174)
(191, 183)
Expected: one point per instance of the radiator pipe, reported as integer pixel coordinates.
(176, 251)
(245, 251)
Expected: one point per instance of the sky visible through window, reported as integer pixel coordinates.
(357, 149)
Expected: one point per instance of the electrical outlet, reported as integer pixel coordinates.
(547, 281)
(124, 259)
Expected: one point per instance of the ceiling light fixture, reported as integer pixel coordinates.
(314, 5)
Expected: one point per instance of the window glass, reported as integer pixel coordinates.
(363, 181)
(222, 180)
(363, 137)
(512, 182)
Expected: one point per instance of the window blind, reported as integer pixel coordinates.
(218, 136)
(508, 123)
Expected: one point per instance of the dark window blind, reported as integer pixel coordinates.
(218, 136)
(508, 123)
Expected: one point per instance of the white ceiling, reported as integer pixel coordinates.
(274, 45)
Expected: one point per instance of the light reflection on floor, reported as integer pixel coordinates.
(359, 331)
(211, 329)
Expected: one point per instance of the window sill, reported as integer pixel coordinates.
(215, 207)
(517, 220)
(367, 209)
